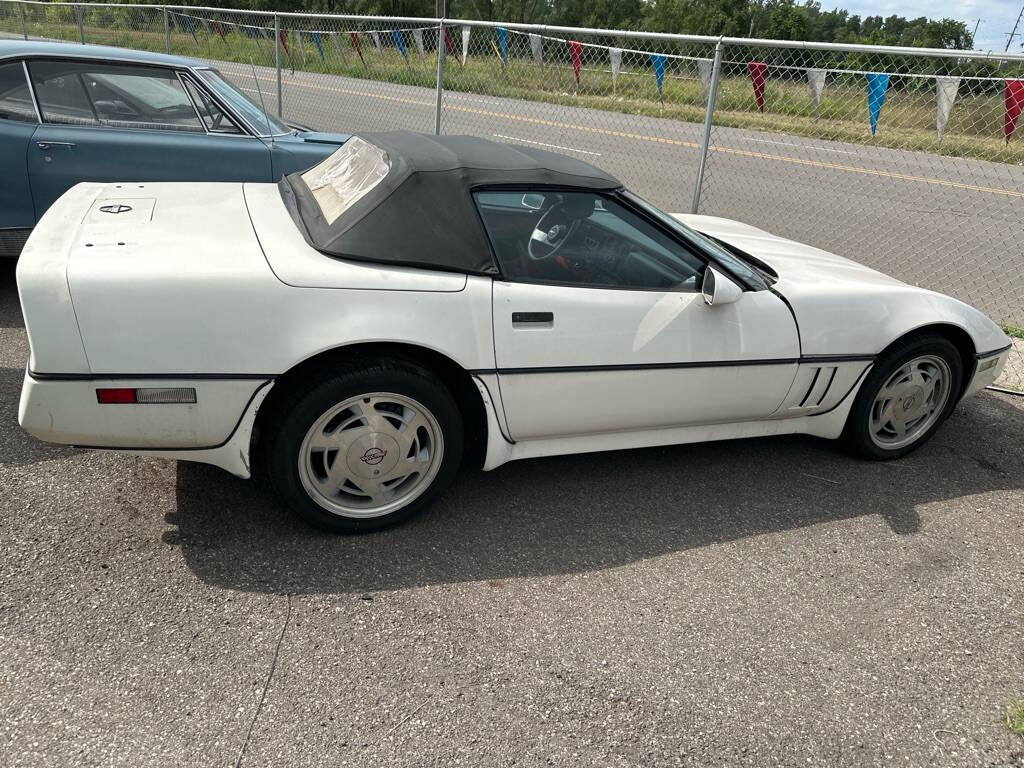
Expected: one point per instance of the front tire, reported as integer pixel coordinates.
(910, 391)
(365, 447)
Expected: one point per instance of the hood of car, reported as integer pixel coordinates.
(795, 263)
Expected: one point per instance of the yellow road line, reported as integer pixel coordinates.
(678, 142)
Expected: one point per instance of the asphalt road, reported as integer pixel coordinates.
(950, 224)
(759, 603)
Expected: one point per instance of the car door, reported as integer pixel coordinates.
(18, 121)
(611, 333)
(135, 123)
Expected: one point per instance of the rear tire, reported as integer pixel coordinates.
(910, 391)
(365, 447)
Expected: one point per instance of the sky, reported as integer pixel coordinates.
(997, 15)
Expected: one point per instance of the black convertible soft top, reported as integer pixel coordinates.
(422, 213)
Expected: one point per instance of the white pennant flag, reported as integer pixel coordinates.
(417, 36)
(339, 49)
(704, 72)
(465, 43)
(537, 47)
(615, 55)
(298, 42)
(945, 95)
(816, 81)
(376, 43)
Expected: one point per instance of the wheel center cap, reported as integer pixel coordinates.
(372, 455)
(912, 401)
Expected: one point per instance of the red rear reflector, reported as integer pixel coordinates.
(114, 395)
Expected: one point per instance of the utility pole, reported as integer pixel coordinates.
(974, 34)
(439, 9)
(1013, 32)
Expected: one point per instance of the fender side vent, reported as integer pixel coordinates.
(814, 381)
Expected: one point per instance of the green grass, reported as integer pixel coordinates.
(907, 120)
(1015, 717)
(1013, 331)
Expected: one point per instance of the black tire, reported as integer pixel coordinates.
(302, 406)
(857, 433)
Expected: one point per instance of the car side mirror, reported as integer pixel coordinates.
(719, 289)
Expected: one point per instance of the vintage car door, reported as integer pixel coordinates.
(129, 123)
(17, 124)
(601, 347)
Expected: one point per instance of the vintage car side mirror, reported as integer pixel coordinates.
(719, 289)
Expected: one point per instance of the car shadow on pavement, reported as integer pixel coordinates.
(581, 513)
(10, 308)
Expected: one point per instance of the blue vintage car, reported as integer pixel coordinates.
(71, 113)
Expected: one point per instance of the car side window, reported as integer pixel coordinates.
(119, 96)
(584, 239)
(15, 97)
(215, 118)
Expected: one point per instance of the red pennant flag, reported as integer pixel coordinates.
(1014, 97)
(575, 49)
(355, 44)
(757, 71)
(219, 28)
(449, 46)
(284, 42)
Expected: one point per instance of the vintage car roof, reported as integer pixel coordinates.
(18, 48)
(422, 214)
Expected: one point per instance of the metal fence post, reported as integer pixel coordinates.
(167, 32)
(81, 30)
(277, 58)
(440, 77)
(702, 159)
(24, 28)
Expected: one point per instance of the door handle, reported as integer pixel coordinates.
(49, 144)
(536, 318)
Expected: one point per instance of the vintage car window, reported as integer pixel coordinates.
(346, 176)
(584, 239)
(119, 96)
(253, 113)
(15, 98)
(215, 118)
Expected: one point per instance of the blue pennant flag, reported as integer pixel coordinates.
(191, 27)
(400, 44)
(878, 84)
(503, 44)
(316, 42)
(658, 61)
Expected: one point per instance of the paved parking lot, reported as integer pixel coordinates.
(753, 603)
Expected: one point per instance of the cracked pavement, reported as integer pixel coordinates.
(760, 602)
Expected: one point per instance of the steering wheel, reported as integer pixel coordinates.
(554, 230)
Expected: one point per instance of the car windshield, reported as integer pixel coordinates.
(346, 176)
(265, 124)
(730, 261)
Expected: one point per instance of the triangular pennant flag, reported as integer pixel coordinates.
(816, 81)
(449, 46)
(465, 43)
(283, 37)
(339, 48)
(299, 44)
(503, 44)
(206, 26)
(945, 95)
(377, 44)
(757, 70)
(575, 49)
(878, 84)
(191, 28)
(615, 57)
(316, 42)
(704, 73)
(1013, 96)
(658, 62)
(396, 35)
(537, 48)
(417, 36)
(219, 28)
(359, 49)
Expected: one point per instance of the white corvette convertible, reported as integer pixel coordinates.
(356, 328)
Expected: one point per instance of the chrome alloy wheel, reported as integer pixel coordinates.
(370, 455)
(910, 402)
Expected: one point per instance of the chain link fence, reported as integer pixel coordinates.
(910, 161)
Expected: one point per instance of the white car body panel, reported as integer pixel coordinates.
(211, 286)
